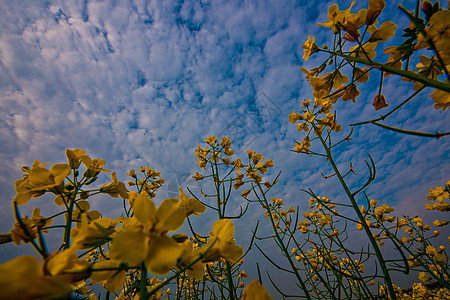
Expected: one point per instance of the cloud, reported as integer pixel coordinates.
(142, 83)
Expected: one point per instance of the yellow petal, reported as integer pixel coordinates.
(22, 198)
(190, 205)
(144, 209)
(22, 278)
(170, 216)
(66, 260)
(385, 32)
(256, 291)
(231, 252)
(39, 177)
(129, 247)
(114, 279)
(162, 255)
(223, 229)
(73, 156)
(60, 172)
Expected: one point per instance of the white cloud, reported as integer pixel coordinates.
(144, 82)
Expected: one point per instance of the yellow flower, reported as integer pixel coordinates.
(112, 280)
(294, 117)
(440, 206)
(367, 52)
(197, 176)
(309, 48)
(38, 180)
(352, 23)
(67, 263)
(440, 223)
(439, 193)
(93, 166)
(211, 140)
(441, 99)
(351, 93)
(336, 18)
(238, 181)
(374, 10)
(73, 156)
(431, 250)
(226, 143)
(24, 235)
(132, 173)
(245, 193)
(95, 233)
(428, 67)
(255, 291)
(382, 34)
(383, 209)
(190, 253)
(257, 157)
(82, 207)
(303, 147)
(144, 239)
(379, 102)
(439, 33)
(39, 220)
(114, 188)
(237, 164)
(192, 206)
(242, 274)
(277, 201)
(22, 278)
(228, 151)
(424, 277)
(223, 244)
(361, 75)
(395, 55)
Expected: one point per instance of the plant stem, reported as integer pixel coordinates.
(143, 282)
(408, 74)
(282, 246)
(411, 132)
(374, 244)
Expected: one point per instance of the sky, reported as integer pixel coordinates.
(142, 83)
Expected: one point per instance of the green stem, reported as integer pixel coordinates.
(282, 246)
(411, 132)
(408, 74)
(230, 281)
(374, 244)
(143, 282)
(66, 241)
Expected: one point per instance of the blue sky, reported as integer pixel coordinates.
(142, 83)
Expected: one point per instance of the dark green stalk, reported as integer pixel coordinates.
(411, 132)
(374, 244)
(143, 282)
(408, 74)
(230, 281)
(66, 241)
(281, 244)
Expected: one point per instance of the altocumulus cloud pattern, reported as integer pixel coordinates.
(142, 83)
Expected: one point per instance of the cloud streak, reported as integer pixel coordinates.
(142, 83)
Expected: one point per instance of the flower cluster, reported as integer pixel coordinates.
(118, 257)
